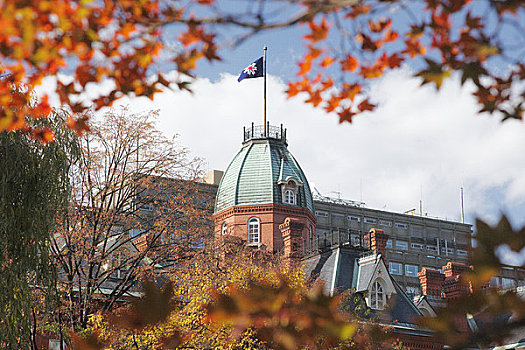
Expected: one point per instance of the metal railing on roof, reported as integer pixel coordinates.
(317, 196)
(254, 132)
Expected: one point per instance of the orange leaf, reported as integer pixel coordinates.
(380, 25)
(318, 32)
(349, 91)
(327, 61)
(315, 98)
(350, 64)
(305, 66)
(332, 104)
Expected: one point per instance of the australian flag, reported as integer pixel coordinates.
(254, 70)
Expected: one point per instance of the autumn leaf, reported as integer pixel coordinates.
(434, 73)
(366, 106)
(152, 308)
(349, 64)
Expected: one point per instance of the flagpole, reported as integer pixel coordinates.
(264, 59)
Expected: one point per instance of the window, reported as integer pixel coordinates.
(411, 270)
(448, 251)
(253, 230)
(289, 197)
(507, 283)
(432, 248)
(354, 218)
(385, 223)
(401, 225)
(395, 268)
(146, 207)
(402, 245)
(322, 214)
(461, 252)
(494, 282)
(389, 243)
(224, 229)
(370, 221)
(377, 296)
(355, 239)
(417, 246)
(337, 216)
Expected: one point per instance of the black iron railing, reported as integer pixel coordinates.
(254, 132)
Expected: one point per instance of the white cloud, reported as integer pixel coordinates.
(418, 140)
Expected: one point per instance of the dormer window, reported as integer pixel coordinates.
(377, 296)
(289, 191)
(224, 229)
(289, 197)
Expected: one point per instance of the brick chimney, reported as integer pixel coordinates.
(431, 282)
(376, 239)
(454, 286)
(292, 232)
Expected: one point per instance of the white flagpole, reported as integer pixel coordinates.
(264, 73)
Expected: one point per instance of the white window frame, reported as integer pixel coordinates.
(389, 243)
(322, 214)
(401, 225)
(370, 221)
(337, 216)
(289, 197)
(377, 296)
(461, 252)
(254, 233)
(432, 248)
(398, 270)
(409, 270)
(385, 223)
(417, 246)
(354, 218)
(224, 229)
(402, 245)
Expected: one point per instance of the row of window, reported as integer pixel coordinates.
(403, 245)
(386, 223)
(397, 269)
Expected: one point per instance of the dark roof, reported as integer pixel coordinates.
(338, 269)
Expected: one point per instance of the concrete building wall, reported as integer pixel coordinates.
(414, 241)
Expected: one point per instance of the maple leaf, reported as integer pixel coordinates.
(315, 98)
(327, 61)
(345, 115)
(380, 25)
(435, 73)
(332, 104)
(154, 307)
(366, 106)
(317, 32)
(349, 64)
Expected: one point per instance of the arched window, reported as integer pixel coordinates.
(253, 230)
(377, 296)
(289, 197)
(224, 229)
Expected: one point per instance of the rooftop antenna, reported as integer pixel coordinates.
(420, 200)
(462, 209)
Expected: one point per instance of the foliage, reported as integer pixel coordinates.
(489, 305)
(34, 185)
(135, 211)
(243, 306)
(349, 42)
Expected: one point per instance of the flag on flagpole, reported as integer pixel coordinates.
(253, 70)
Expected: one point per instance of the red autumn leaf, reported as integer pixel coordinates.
(317, 32)
(349, 64)
(315, 98)
(332, 104)
(346, 115)
(366, 106)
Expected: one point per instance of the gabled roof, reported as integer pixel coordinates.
(339, 269)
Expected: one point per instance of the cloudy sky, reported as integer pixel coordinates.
(419, 144)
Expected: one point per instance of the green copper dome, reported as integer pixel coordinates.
(258, 172)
